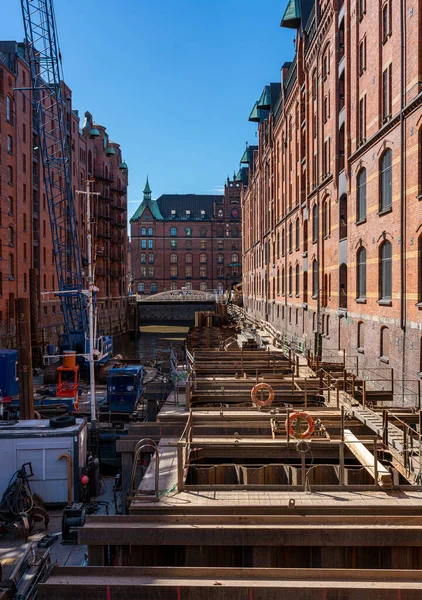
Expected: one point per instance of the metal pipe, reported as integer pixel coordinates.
(69, 476)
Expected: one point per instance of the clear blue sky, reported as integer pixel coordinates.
(173, 82)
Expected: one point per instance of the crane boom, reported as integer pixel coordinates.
(49, 112)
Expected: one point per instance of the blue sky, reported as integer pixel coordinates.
(173, 82)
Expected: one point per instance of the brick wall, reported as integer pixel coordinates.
(333, 129)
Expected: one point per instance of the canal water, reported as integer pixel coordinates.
(154, 342)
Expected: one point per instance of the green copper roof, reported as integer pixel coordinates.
(94, 132)
(123, 165)
(239, 175)
(246, 156)
(255, 114)
(147, 189)
(265, 101)
(291, 17)
(152, 205)
(110, 151)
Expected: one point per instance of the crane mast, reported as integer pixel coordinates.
(49, 117)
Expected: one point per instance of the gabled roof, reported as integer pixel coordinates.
(297, 11)
(180, 203)
(201, 207)
(153, 207)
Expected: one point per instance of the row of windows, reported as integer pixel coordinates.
(385, 277)
(150, 231)
(202, 245)
(203, 258)
(235, 232)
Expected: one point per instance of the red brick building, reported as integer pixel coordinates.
(332, 225)
(25, 238)
(187, 240)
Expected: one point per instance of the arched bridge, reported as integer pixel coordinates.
(180, 296)
(174, 305)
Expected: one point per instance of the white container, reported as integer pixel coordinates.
(36, 442)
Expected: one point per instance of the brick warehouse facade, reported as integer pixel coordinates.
(24, 221)
(187, 240)
(332, 229)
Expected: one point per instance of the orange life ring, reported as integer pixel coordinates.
(258, 388)
(293, 418)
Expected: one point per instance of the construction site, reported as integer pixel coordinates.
(269, 474)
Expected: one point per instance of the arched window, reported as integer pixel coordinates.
(305, 287)
(141, 288)
(188, 259)
(386, 184)
(297, 233)
(143, 231)
(150, 231)
(325, 219)
(297, 280)
(10, 205)
(143, 258)
(386, 274)
(384, 344)
(10, 175)
(220, 232)
(361, 274)
(315, 223)
(278, 245)
(173, 231)
(290, 280)
(11, 236)
(153, 288)
(343, 217)
(343, 286)
(305, 236)
(203, 232)
(361, 337)
(235, 257)
(361, 203)
(315, 279)
(11, 265)
(278, 282)
(151, 258)
(283, 242)
(290, 237)
(188, 231)
(203, 258)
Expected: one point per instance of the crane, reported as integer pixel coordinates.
(49, 114)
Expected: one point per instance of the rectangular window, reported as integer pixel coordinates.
(173, 271)
(24, 162)
(387, 89)
(362, 119)
(150, 271)
(143, 271)
(188, 271)
(202, 271)
(9, 114)
(362, 56)
(143, 244)
(24, 251)
(203, 245)
(173, 243)
(24, 132)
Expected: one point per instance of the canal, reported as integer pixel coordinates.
(154, 342)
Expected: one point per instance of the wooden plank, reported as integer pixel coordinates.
(367, 460)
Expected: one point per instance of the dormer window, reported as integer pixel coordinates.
(202, 214)
(188, 214)
(173, 214)
(220, 213)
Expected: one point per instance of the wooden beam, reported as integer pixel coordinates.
(367, 460)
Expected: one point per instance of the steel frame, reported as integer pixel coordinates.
(49, 109)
